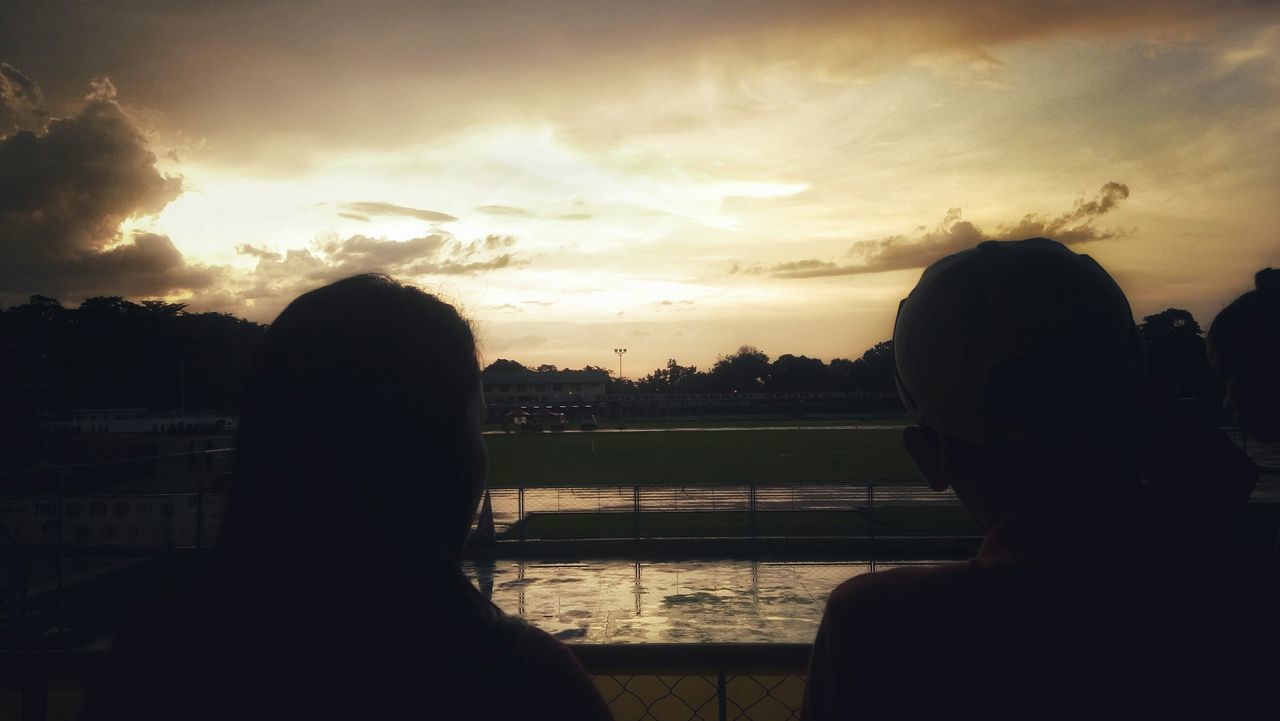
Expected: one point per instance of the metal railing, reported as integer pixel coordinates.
(644, 682)
(725, 510)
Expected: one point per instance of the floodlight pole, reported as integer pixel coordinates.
(621, 352)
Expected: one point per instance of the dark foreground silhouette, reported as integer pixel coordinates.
(1244, 347)
(1090, 596)
(337, 591)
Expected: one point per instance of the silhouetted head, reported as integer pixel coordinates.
(1021, 363)
(1244, 347)
(359, 440)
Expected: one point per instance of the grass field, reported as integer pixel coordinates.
(714, 422)
(695, 457)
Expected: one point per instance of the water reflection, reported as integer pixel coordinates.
(620, 601)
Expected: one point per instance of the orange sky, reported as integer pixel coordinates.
(676, 178)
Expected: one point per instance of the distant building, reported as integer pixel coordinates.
(566, 391)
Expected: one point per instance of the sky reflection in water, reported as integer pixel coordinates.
(618, 601)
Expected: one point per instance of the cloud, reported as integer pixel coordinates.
(673, 306)
(65, 190)
(355, 216)
(802, 266)
(954, 234)
(575, 216)
(278, 278)
(21, 102)
(260, 253)
(362, 254)
(1073, 226)
(370, 208)
(505, 210)
(421, 52)
(494, 242)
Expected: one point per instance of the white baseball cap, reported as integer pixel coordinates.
(1018, 339)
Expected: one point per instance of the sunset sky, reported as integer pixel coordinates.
(679, 178)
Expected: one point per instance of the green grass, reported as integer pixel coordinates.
(891, 520)
(769, 456)
(713, 422)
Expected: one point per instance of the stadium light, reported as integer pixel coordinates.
(621, 352)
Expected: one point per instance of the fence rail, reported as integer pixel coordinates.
(642, 682)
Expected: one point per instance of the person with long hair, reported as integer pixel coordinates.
(336, 588)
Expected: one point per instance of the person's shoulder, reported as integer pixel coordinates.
(897, 588)
(529, 651)
(525, 638)
(555, 683)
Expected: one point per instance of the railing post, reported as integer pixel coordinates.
(61, 533)
(520, 510)
(722, 691)
(635, 513)
(199, 511)
(751, 509)
(871, 521)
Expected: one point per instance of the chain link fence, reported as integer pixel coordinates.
(649, 682)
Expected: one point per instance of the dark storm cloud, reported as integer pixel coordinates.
(65, 190)
(368, 208)
(150, 265)
(219, 58)
(21, 102)
(953, 234)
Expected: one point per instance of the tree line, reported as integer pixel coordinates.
(751, 370)
(1174, 344)
(110, 352)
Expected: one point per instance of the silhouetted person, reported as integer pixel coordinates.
(337, 590)
(1244, 347)
(1022, 368)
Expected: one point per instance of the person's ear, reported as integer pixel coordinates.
(924, 445)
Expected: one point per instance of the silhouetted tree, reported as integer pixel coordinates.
(743, 372)
(502, 365)
(840, 373)
(114, 353)
(1176, 353)
(596, 369)
(620, 385)
(874, 370)
(674, 378)
(791, 373)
